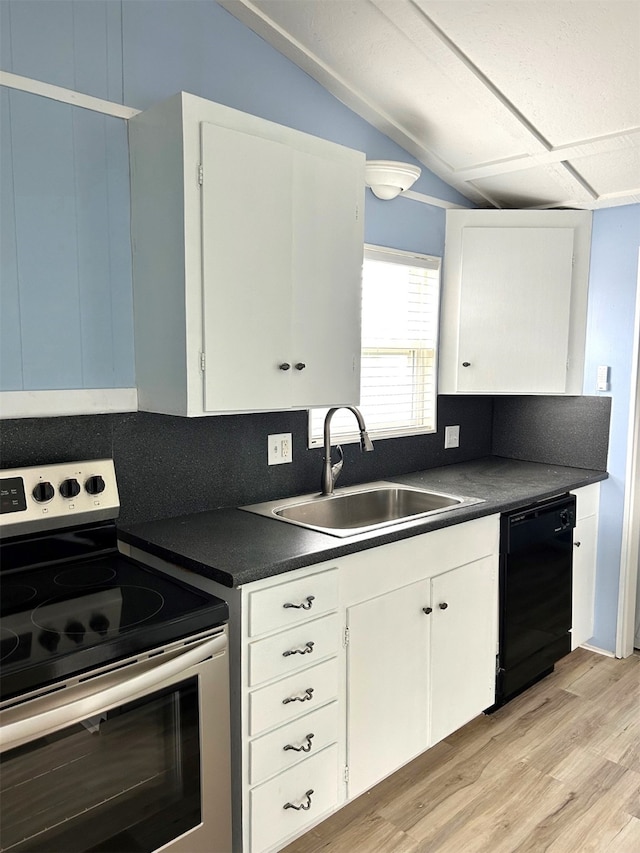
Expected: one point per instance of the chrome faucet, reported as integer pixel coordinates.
(330, 473)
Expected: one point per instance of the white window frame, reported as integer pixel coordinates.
(396, 256)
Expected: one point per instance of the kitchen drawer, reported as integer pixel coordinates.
(292, 602)
(271, 821)
(304, 737)
(294, 649)
(293, 696)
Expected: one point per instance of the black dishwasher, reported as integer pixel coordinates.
(536, 562)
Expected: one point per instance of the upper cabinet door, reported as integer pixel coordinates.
(327, 279)
(246, 254)
(515, 302)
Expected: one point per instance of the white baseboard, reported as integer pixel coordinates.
(49, 404)
(597, 650)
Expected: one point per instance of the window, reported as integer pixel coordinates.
(400, 298)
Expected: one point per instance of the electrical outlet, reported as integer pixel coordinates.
(279, 448)
(451, 436)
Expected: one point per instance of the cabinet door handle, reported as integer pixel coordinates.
(304, 748)
(466, 364)
(306, 605)
(443, 605)
(284, 366)
(427, 610)
(300, 365)
(304, 806)
(305, 650)
(308, 694)
(577, 544)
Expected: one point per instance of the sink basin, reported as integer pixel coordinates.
(358, 510)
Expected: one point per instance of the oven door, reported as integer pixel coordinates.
(132, 758)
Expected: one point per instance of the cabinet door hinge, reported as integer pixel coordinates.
(202, 361)
(346, 773)
(200, 174)
(573, 260)
(357, 212)
(345, 639)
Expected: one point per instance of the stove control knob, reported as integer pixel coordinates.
(43, 492)
(95, 485)
(69, 488)
(99, 623)
(49, 640)
(75, 631)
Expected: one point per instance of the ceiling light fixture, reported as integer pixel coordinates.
(388, 179)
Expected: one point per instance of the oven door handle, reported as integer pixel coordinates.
(39, 717)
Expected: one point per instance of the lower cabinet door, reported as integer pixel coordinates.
(584, 580)
(463, 645)
(387, 683)
(284, 806)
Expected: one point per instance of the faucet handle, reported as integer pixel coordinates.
(337, 467)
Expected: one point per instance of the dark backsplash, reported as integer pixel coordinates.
(571, 431)
(168, 466)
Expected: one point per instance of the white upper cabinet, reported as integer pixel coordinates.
(514, 302)
(248, 241)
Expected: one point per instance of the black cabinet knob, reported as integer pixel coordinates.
(43, 492)
(69, 488)
(75, 631)
(466, 364)
(443, 605)
(427, 610)
(300, 365)
(49, 640)
(284, 366)
(99, 623)
(95, 485)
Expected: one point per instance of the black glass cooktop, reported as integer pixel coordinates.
(62, 619)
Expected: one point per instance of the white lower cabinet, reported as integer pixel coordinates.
(387, 683)
(463, 645)
(420, 663)
(347, 670)
(291, 717)
(584, 563)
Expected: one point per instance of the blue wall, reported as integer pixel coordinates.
(67, 316)
(612, 294)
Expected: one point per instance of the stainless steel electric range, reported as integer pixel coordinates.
(114, 702)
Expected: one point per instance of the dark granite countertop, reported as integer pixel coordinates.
(235, 547)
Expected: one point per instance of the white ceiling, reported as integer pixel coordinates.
(516, 103)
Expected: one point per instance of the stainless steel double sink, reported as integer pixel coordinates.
(360, 509)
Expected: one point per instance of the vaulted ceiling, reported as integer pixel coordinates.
(516, 103)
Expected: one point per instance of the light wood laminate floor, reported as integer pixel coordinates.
(557, 770)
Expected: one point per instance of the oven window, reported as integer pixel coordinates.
(126, 781)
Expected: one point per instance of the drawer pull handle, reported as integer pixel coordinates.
(306, 650)
(306, 605)
(304, 748)
(308, 694)
(304, 806)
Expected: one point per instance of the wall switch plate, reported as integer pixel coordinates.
(602, 382)
(279, 448)
(452, 436)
